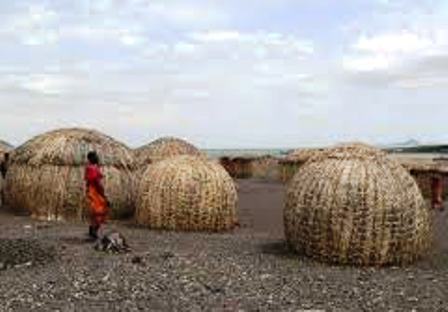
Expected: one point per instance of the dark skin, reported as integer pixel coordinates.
(4, 165)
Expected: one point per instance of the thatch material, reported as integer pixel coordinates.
(186, 193)
(237, 167)
(294, 160)
(260, 167)
(265, 167)
(424, 170)
(164, 148)
(354, 205)
(46, 174)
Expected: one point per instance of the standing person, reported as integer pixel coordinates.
(3, 169)
(99, 205)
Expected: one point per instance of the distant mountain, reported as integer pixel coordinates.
(414, 146)
(408, 143)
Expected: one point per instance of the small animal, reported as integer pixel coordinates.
(113, 242)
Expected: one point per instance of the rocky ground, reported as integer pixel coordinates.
(51, 267)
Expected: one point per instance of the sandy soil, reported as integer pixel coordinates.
(248, 270)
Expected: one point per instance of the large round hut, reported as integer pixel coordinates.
(162, 149)
(46, 174)
(186, 193)
(354, 205)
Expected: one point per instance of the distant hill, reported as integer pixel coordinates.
(435, 149)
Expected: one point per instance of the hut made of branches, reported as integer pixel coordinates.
(294, 160)
(46, 174)
(354, 205)
(186, 193)
(164, 148)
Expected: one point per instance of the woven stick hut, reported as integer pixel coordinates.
(354, 205)
(162, 149)
(186, 193)
(46, 174)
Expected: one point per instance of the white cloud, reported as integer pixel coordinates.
(263, 41)
(402, 42)
(400, 59)
(42, 84)
(213, 36)
(35, 26)
(367, 63)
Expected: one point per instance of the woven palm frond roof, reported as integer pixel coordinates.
(70, 147)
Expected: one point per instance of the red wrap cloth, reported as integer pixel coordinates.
(98, 203)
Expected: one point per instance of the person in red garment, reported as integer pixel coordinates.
(99, 205)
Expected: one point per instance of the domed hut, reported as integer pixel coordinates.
(186, 193)
(164, 148)
(354, 205)
(46, 174)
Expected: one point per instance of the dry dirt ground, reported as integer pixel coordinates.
(51, 267)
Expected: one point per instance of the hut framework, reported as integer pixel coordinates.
(353, 205)
(186, 193)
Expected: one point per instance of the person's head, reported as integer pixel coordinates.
(93, 158)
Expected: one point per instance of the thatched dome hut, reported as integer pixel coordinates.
(186, 193)
(354, 205)
(46, 174)
(162, 149)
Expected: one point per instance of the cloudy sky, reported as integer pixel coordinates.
(226, 73)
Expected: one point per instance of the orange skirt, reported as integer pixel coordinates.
(98, 207)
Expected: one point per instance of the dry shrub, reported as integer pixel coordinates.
(46, 174)
(186, 193)
(354, 205)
